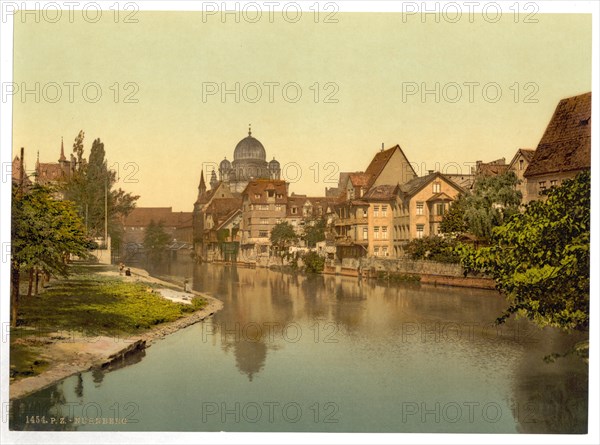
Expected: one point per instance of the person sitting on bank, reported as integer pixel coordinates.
(128, 272)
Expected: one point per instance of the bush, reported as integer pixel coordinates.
(433, 248)
(313, 262)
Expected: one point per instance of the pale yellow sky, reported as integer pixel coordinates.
(368, 58)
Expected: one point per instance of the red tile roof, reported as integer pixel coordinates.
(256, 191)
(379, 162)
(382, 193)
(566, 143)
(141, 217)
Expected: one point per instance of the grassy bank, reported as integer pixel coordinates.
(87, 304)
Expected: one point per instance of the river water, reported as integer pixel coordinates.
(326, 353)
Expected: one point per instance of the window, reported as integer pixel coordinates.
(420, 228)
(264, 220)
(384, 232)
(279, 196)
(437, 187)
(279, 221)
(542, 186)
(383, 210)
(376, 211)
(263, 234)
(365, 213)
(521, 164)
(376, 250)
(257, 195)
(419, 208)
(376, 232)
(278, 207)
(294, 210)
(384, 251)
(553, 183)
(271, 193)
(439, 208)
(365, 233)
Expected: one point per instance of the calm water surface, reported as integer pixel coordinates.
(295, 353)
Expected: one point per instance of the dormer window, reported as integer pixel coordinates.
(257, 195)
(271, 193)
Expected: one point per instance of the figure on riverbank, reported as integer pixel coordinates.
(128, 272)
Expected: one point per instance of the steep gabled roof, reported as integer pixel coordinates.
(566, 143)
(379, 162)
(359, 179)
(527, 154)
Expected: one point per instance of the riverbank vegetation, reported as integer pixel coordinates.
(87, 304)
(540, 259)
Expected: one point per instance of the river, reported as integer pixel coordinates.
(331, 354)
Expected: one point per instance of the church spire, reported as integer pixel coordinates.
(62, 151)
(202, 185)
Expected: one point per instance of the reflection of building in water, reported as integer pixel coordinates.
(250, 356)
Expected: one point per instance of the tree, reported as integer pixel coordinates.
(282, 236)
(540, 258)
(494, 199)
(433, 248)
(314, 231)
(45, 232)
(453, 221)
(156, 240)
(91, 187)
(314, 263)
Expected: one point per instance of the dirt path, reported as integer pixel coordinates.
(70, 354)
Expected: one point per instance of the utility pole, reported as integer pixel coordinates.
(106, 212)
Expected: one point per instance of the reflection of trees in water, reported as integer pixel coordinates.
(552, 397)
(49, 402)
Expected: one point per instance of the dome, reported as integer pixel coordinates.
(249, 148)
(274, 165)
(225, 165)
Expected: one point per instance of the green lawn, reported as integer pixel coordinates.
(95, 304)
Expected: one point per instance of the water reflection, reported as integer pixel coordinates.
(368, 347)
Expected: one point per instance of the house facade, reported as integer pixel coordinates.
(518, 165)
(264, 205)
(424, 201)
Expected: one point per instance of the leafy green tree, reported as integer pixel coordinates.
(453, 221)
(283, 236)
(45, 232)
(433, 248)
(313, 262)
(90, 185)
(156, 240)
(494, 200)
(540, 258)
(314, 231)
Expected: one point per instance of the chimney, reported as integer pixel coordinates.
(382, 146)
(430, 172)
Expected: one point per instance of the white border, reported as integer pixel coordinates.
(593, 436)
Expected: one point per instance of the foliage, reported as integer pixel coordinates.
(283, 236)
(494, 200)
(313, 262)
(156, 240)
(90, 185)
(314, 231)
(45, 231)
(397, 277)
(540, 259)
(433, 248)
(454, 219)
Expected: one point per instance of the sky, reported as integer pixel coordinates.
(162, 117)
